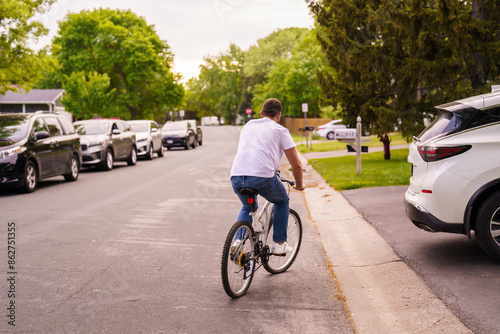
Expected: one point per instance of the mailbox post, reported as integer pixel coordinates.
(353, 138)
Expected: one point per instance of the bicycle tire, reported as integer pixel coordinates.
(236, 269)
(278, 264)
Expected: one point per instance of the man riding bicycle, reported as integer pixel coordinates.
(260, 149)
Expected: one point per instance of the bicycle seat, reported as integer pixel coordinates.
(250, 192)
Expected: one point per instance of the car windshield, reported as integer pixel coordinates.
(92, 128)
(13, 127)
(139, 127)
(448, 122)
(174, 126)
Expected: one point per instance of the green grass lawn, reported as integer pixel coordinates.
(340, 172)
(333, 145)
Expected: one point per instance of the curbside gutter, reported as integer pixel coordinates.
(382, 293)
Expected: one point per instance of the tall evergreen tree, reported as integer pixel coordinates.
(395, 60)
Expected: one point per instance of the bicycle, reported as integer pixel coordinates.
(240, 262)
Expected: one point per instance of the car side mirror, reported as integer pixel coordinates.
(116, 132)
(154, 130)
(41, 135)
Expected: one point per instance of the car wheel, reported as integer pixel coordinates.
(30, 178)
(200, 142)
(330, 135)
(193, 145)
(488, 225)
(149, 155)
(107, 164)
(160, 152)
(132, 160)
(74, 170)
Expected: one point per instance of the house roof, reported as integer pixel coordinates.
(34, 96)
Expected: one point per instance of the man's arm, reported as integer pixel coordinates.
(293, 159)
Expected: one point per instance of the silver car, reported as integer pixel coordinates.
(149, 138)
(105, 141)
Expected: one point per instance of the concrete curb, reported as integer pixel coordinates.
(382, 293)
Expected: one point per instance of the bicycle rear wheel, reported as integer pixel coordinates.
(237, 267)
(278, 264)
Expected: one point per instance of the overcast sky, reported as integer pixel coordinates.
(197, 28)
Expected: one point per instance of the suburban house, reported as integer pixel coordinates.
(32, 101)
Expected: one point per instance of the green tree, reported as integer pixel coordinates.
(120, 44)
(86, 98)
(20, 66)
(291, 78)
(395, 60)
(219, 89)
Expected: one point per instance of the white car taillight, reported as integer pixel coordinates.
(435, 153)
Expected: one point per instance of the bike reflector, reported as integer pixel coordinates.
(250, 200)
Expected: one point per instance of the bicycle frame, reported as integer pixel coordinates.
(264, 218)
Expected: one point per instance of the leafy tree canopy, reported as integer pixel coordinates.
(123, 46)
(20, 66)
(395, 60)
(86, 98)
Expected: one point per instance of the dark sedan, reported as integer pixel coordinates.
(179, 134)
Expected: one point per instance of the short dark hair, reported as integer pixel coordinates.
(271, 108)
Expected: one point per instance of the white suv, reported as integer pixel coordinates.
(455, 179)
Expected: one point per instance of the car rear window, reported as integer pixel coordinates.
(461, 118)
(448, 122)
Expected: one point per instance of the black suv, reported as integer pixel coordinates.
(37, 146)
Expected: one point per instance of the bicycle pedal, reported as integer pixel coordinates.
(282, 254)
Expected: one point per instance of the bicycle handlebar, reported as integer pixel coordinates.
(290, 182)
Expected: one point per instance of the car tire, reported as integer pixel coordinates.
(132, 160)
(330, 135)
(160, 152)
(193, 145)
(200, 142)
(30, 178)
(488, 225)
(149, 155)
(107, 163)
(74, 170)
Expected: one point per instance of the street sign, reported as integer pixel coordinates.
(249, 111)
(304, 107)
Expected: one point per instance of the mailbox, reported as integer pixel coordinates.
(345, 135)
(309, 128)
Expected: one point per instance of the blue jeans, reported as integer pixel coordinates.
(271, 189)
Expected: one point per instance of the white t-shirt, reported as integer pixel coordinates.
(261, 147)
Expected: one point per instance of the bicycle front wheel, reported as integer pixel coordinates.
(238, 263)
(277, 264)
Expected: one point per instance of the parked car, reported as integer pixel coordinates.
(105, 141)
(455, 177)
(37, 146)
(179, 134)
(148, 137)
(198, 132)
(328, 130)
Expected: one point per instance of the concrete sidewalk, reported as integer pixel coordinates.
(382, 293)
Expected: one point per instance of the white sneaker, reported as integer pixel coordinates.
(235, 245)
(281, 249)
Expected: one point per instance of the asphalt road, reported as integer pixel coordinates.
(138, 249)
(454, 267)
